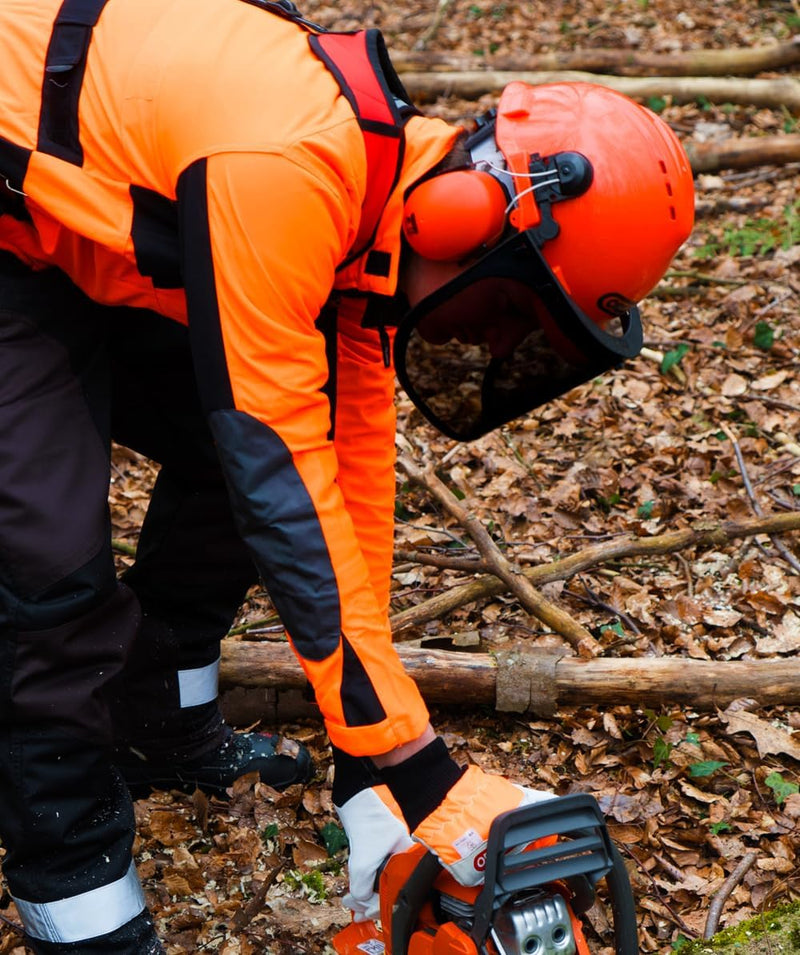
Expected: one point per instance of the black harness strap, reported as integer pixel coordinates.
(14, 161)
(287, 10)
(362, 68)
(65, 65)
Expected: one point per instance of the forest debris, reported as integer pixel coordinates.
(743, 152)
(703, 533)
(741, 61)
(769, 738)
(774, 93)
(530, 598)
(722, 896)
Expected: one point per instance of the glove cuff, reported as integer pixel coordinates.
(351, 775)
(457, 833)
(421, 782)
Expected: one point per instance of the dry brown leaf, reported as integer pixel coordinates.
(785, 637)
(721, 618)
(769, 738)
(170, 827)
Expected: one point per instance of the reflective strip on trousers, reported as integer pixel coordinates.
(87, 915)
(200, 685)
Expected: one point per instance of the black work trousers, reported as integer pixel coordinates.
(88, 662)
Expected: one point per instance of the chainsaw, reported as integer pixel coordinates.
(541, 868)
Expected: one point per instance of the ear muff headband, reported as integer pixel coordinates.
(452, 215)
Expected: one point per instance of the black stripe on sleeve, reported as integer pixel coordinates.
(197, 268)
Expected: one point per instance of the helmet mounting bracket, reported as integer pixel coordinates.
(570, 175)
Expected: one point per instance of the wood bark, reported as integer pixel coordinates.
(738, 62)
(548, 679)
(775, 93)
(743, 153)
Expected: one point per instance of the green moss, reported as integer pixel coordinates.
(776, 932)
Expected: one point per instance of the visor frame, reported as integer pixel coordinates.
(519, 258)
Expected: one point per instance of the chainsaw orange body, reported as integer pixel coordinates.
(538, 880)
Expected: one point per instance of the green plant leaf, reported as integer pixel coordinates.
(616, 627)
(645, 511)
(269, 832)
(661, 751)
(716, 827)
(780, 787)
(657, 103)
(764, 336)
(706, 768)
(334, 838)
(673, 357)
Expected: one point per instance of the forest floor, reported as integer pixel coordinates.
(643, 450)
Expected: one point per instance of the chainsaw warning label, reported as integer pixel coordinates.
(372, 947)
(467, 843)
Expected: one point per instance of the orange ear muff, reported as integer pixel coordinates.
(452, 215)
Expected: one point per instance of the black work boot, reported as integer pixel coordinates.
(279, 762)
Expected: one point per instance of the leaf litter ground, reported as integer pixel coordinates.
(647, 449)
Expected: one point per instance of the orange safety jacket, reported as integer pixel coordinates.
(227, 168)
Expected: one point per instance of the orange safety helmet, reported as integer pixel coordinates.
(632, 204)
(574, 203)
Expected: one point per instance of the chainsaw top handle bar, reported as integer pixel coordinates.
(582, 855)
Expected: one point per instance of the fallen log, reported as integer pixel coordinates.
(775, 93)
(735, 62)
(743, 153)
(539, 681)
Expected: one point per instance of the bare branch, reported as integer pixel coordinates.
(722, 896)
(531, 599)
(701, 534)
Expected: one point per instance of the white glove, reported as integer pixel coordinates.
(375, 830)
(458, 830)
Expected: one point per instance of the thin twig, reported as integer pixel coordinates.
(594, 600)
(779, 546)
(661, 898)
(14, 926)
(773, 402)
(433, 27)
(672, 870)
(704, 277)
(123, 547)
(531, 599)
(723, 894)
(701, 534)
(432, 530)
(469, 564)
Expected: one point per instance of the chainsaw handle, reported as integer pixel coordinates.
(410, 899)
(623, 907)
(583, 861)
(581, 856)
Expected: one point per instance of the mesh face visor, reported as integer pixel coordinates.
(501, 339)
